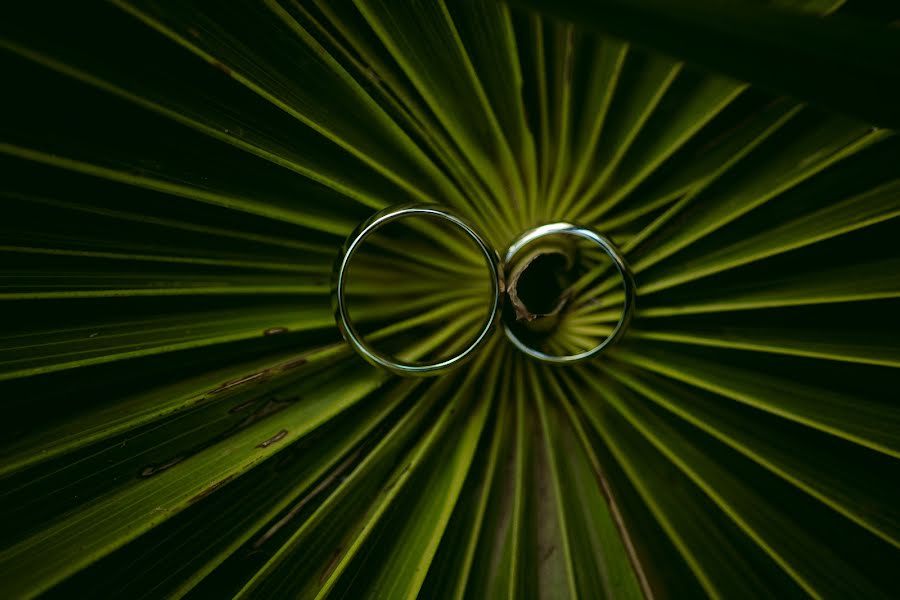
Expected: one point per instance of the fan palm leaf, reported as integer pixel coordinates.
(182, 419)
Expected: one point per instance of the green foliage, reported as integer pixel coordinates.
(181, 418)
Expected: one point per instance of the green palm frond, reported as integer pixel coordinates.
(181, 416)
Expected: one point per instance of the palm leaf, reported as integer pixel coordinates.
(181, 418)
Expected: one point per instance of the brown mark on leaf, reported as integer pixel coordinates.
(269, 408)
(624, 532)
(372, 75)
(727, 134)
(203, 494)
(292, 364)
(396, 479)
(331, 564)
(259, 375)
(236, 382)
(244, 405)
(153, 470)
(275, 438)
(323, 485)
(275, 330)
(221, 67)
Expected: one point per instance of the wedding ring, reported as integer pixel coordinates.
(339, 284)
(609, 248)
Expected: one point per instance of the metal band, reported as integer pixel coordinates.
(617, 258)
(339, 284)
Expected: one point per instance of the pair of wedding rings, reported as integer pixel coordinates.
(495, 271)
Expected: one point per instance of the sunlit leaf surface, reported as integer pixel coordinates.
(182, 419)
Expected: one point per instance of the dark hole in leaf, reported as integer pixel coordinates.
(542, 283)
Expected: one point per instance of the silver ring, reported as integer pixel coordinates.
(624, 271)
(339, 283)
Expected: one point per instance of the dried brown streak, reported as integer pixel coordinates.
(331, 564)
(619, 522)
(306, 499)
(275, 438)
(211, 489)
(221, 67)
(293, 364)
(734, 129)
(244, 405)
(151, 470)
(259, 375)
(616, 515)
(618, 519)
(240, 381)
(269, 408)
(397, 478)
